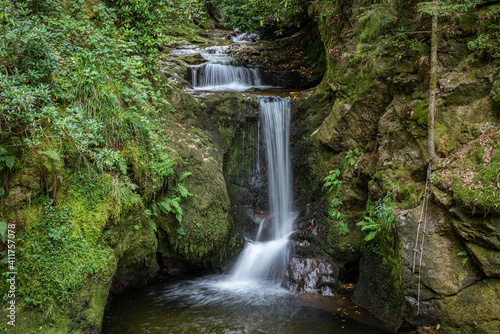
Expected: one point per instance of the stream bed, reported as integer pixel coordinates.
(214, 304)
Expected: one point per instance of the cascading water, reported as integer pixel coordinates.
(221, 72)
(250, 300)
(267, 259)
(216, 76)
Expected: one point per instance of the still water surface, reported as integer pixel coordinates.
(215, 304)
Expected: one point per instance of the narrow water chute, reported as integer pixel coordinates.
(267, 259)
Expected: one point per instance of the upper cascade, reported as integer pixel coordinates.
(221, 72)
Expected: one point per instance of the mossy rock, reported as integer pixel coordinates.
(442, 270)
(472, 310)
(380, 288)
(205, 225)
(472, 175)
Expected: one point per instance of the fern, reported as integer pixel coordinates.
(332, 181)
(183, 192)
(184, 176)
(172, 205)
(383, 219)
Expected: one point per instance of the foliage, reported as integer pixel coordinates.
(153, 23)
(252, 15)
(55, 262)
(446, 7)
(488, 42)
(3, 231)
(406, 47)
(465, 261)
(332, 181)
(172, 204)
(412, 197)
(72, 80)
(381, 220)
(5, 159)
(83, 100)
(376, 18)
(351, 159)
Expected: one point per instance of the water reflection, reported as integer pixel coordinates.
(214, 304)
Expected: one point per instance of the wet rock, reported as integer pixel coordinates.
(379, 288)
(311, 276)
(442, 271)
(123, 282)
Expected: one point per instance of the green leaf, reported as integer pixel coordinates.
(183, 192)
(3, 230)
(9, 162)
(51, 154)
(183, 176)
(371, 236)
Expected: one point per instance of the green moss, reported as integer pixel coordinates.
(468, 21)
(55, 259)
(380, 287)
(475, 175)
(474, 305)
(475, 154)
(420, 112)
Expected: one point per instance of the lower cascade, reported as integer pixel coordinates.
(267, 259)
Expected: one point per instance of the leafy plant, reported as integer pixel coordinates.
(172, 204)
(332, 181)
(333, 184)
(3, 231)
(5, 159)
(254, 14)
(465, 262)
(382, 218)
(351, 159)
(412, 197)
(405, 46)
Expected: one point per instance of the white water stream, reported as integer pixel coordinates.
(221, 72)
(267, 259)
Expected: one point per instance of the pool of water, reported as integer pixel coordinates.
(215, 304)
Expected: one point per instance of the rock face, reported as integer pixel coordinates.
(311, 276)
(374, 99)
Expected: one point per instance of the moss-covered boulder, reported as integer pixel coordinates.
(379, 288)
(472, 310)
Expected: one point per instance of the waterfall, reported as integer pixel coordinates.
(267, 259)
(215, 76)
(221, 72)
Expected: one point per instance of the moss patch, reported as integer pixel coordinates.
(473, 174)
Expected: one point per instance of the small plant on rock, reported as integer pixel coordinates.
(382, 219)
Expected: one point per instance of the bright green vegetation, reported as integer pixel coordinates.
(86, 156)
(252, 15)
(58, 259)
(380, 218)
(333, 183)
(475, 187)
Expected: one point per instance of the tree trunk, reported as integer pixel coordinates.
(432, 89)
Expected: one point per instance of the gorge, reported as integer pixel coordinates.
(140, 183)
